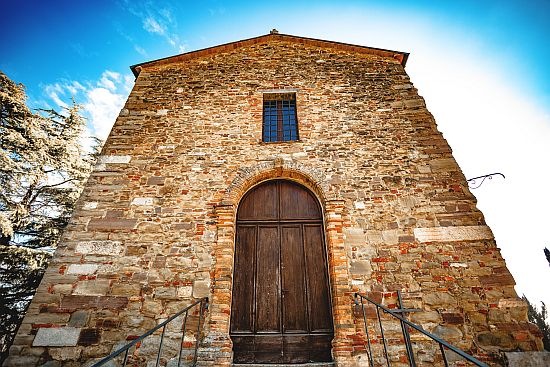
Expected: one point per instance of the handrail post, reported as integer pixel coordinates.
(182, 336)
(198, 333)
(406, 336)
(160, 345)
(383, 337)
(369, 351)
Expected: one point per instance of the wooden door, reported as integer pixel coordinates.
(280, 309)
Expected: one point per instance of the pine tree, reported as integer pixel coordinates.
(43, 167)
(540, 318)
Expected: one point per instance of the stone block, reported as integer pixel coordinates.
(99, 247)
(201, 288)
(142, 201)
(20, 361)
(152, 308)
(360, 267)
(62, 288)
(125, 289)
(531, 359)
(56, 337)
(86, 302)
(89, 205)
(92, 287)
(439, 299)
(184, 292)
(79, 318)
(65, 354)
(354, 236)
(448, 333)
(425, 317)
(450, 234)
(165, 292)
(84, 269)
(107, 224)
(114, 159)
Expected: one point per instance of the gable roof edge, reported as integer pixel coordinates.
(399, 55)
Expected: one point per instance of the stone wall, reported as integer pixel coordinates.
(154, 227)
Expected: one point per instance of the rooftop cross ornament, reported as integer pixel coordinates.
(473, 182)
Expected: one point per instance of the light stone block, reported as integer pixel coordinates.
(99, 247)
(185, 292)
(201, 288)
(114, 159)
(354, 236)
(56, 337)
(162, 112)
(100, 167)
(90, 205)
(142, 201)
(92, 288)
(82, 269)
(390, 237)
(450, 234)
(359, 205)
(167, 147)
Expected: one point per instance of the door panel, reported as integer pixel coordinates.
(293, 274)
(243, 281)
(267, 281)
(321, 319)
(281, 310)
(297, 204)
(262, 203)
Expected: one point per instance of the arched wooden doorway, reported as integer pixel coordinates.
(280, 309)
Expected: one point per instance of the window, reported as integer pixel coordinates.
(280, 122)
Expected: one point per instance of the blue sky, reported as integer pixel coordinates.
(480, 65)
(48, 41)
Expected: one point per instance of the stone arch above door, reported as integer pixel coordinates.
(247, 177)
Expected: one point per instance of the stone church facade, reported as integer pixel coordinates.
(350, 160)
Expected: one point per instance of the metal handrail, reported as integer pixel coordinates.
(125, 349)
(442, 343)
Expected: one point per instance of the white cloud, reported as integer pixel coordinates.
(54, 91)
(102, 100)
(103, 106)
(151, 25)
(160, 22)
(108, 80)
(140, 50)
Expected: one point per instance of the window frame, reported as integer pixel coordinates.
(283, 120)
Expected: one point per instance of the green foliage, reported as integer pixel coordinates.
(43, 167)
(540, 318)
(21, 270)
